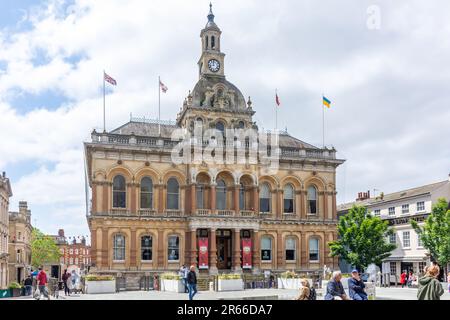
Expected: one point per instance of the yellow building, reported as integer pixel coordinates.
(20, 243)
(158, 203)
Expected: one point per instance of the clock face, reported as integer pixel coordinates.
(213, 65)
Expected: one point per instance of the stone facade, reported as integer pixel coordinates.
(75, 255)
(149, 213)
(20, 230)
(5, 194)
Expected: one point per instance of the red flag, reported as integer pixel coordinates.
(277, 100)
(163, 87)
(110, 79)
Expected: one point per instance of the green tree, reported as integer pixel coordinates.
(435, 233)
(43, 249)
(362, 239)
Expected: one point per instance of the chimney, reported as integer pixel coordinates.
(363, 196)
(368, 194)
(23, 205)
(61, 232)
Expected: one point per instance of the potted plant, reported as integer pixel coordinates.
(16, 289)
(99, 284)
(230, 282)
(171, 282)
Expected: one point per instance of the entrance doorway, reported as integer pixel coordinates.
(55, 272)
(408, 266)
(19, 275)
(223, 240)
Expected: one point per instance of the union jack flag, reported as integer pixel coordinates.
(163, 87)
(110, 79)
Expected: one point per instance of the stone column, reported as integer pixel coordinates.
(94, 259)
(236, 199)
(213, 198)
(105, 247)
(280, 255)
(298, 205)
(304, 251)
(212, 252)
(194, 247)
(256, 252)
(94, 198)
(325, 205)
(334, 209)
(279, 203)
(133, 200)
(160, 198)
(133, 249)
(237, 251)
(105, 200)
(193, 199)
(161, 264)
(256, 199)
(304, 209)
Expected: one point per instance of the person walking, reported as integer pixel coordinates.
(75, 279)
(192, 282)
(448, 282)
(28, 283)
(410, 279)
(335, 289)
(65, 278)
(403, 278)
(356, 287)
(429, 286)
(42, 281)
(305, 290)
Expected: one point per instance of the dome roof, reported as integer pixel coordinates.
(217, 92)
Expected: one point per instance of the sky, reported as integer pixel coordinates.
(383, 64)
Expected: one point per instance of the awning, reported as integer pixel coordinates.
(407, 259)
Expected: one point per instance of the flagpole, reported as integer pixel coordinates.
(104, 118)
(323, 123)
(159, 105)
(276, 111)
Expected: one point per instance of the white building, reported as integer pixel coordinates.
(399, 208)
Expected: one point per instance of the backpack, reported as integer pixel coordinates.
(312, 294)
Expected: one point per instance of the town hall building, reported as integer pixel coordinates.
(151, 214)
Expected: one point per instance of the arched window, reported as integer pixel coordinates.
(312, 200)
(213, 42)
(288, 199)
(173, 248)
(119, 192)
(266, 248)
(290, 247)
(264, 198)
(241, 125)
(242, 197)
(200, 189)
(146, 248)
(313, 249)
(173, 192)
(119, 247)
(221, 195)
(220, 126)
(199, 122)
(146, 193)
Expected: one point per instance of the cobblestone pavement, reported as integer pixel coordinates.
(253, 294)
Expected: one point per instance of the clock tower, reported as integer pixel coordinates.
(211, 62)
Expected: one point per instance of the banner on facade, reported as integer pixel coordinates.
(246, 253)
(203, 253)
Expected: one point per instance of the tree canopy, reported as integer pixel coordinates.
(435, 233)
(43, 249)
(362, 238)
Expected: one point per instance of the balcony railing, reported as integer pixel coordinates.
(120, 212)
(203, 212)
(247, 213)
(147, 212)
(225, 213)
(173, 213)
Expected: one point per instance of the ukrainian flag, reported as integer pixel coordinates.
(326, 102)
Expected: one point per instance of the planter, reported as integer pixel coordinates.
(16, 292)
(104, 286)
(172, 285)
(5, 293)
(230, 285)
(291, 283)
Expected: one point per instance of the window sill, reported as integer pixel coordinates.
(146, 261)
(173, 261)
(291, 261)
(118, 261)
(311, 214)
(315, 261)
(266, 261)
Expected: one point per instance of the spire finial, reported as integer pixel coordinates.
(211, 14)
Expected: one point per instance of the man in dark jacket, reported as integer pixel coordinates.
(192, 282)
(28, 283)
(335, 289)
(356, 287)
